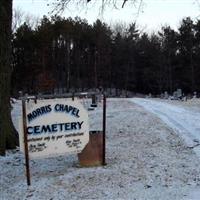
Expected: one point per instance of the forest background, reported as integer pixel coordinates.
(68, 54)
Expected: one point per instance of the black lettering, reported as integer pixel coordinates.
(38, 111)
(54, 128)
(75, 112)
(48, 108)
(79, 124)
(73, 125)
(70, 108)
(61, 126)
(34, 113)
(45, 129)
(62, 107)
(56, 107)
(66, 109)
(30, 130)
(43, 110)
(30, 117)
(67, 126)
(36, 129)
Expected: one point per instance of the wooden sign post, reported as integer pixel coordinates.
(26, 143)
(51, 127)
(104, 129)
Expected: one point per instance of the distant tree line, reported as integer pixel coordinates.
(72, 54)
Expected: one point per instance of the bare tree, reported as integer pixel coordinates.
(61, 5)
(17, 18)
(7, 139)
(119, 28)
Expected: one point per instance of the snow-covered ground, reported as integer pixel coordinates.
(146, 159)
(183, 117)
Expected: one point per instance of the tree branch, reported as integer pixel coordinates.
(124, 3)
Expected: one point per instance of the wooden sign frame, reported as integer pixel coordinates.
(27, 160)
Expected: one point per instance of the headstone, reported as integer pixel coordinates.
(20, 93)
(94, 101)
(56, 91)
(179, 93)
(175, 95)
(150, 95)
(166, 95)
(185, 98)
(195, 95)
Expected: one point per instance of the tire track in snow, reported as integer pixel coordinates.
(183, 121)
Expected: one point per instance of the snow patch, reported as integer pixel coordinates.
(145, 160)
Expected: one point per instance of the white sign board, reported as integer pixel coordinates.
(54, 127)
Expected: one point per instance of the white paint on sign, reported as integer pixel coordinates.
(54, 127)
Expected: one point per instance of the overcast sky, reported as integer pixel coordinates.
(152, 16)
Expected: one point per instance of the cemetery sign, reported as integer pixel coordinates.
(54, 127)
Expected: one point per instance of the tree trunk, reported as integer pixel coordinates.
(7, 137)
